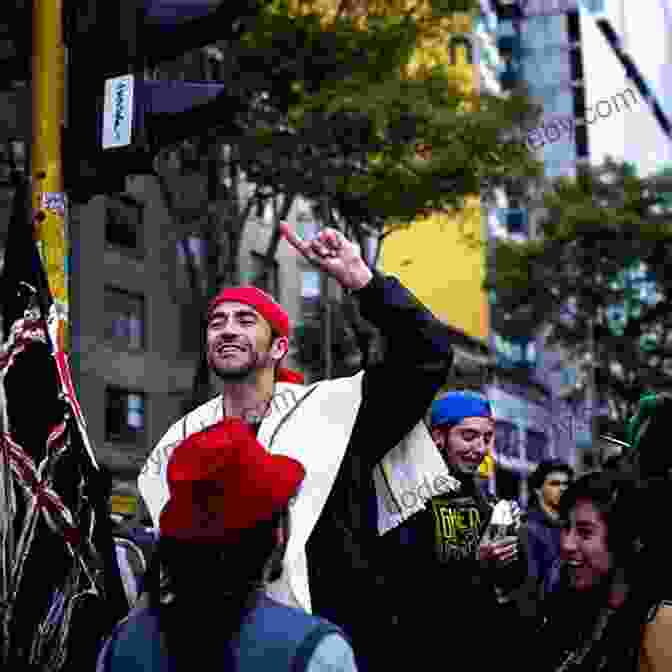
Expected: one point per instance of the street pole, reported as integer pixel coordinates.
(592, 386)
(48, 199)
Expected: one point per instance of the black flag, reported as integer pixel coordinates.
(60, 588)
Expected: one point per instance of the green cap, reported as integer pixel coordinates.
(648, 403)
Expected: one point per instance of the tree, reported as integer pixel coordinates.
(597, 277)
(331, 102)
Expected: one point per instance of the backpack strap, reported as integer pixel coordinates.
(305, 651)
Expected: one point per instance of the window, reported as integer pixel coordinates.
(191, 250)
(123, 223)
(12, 157)
(124, 416)
(568, 376)
(125, 318)
(516, 221)
(310, 293)
(536, 445)
(506, 439)
(307, 226)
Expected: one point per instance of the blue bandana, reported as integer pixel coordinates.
(452, 408)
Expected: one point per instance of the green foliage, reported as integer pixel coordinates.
(325, 110)
(601, 261)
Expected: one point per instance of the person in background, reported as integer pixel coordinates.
(224, 532)
(547, 483)
(611, 610)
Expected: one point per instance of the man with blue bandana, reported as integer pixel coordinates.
(454, 577)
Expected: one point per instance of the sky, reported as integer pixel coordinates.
(632, 134)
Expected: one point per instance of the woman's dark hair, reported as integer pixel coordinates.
(545, 468)
(617, 497)
(626, 505)
(185, 577)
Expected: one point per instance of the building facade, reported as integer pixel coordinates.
(536, 45)
(136, 335)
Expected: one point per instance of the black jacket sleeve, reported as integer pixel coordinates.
(398, 391)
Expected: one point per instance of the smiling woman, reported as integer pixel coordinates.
(609, 610)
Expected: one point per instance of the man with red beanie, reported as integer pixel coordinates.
(223, 534)
(339, 429)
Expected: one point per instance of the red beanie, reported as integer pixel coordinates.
(263, 303)
(270, 310)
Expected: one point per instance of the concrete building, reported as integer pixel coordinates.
(136, 336)
(135, 332)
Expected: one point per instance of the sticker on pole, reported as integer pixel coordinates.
(118, 112)
(54, 201)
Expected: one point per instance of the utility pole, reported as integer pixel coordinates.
(592, 385)
(48, 200)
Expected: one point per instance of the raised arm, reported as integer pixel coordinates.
(418, 355)
(398, 391)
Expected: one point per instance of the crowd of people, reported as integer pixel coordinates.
(271, 548)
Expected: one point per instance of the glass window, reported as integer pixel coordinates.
(531, 353)
(192, 249)
(311, 287)
(12, 157)
(538, 32)
(516, 220)
(307, 226)
(124, 316)
(124, 416)
(310, 284)
(123, 223)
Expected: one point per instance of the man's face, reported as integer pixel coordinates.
(583, 546)
(554, 485)
(465, 445)
(240, 341)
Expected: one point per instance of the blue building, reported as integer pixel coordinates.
(536, 45)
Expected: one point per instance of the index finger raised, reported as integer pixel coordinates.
(291, 237)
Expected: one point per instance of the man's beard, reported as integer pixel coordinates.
(242, 372)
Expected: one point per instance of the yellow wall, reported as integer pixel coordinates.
(442, 259)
